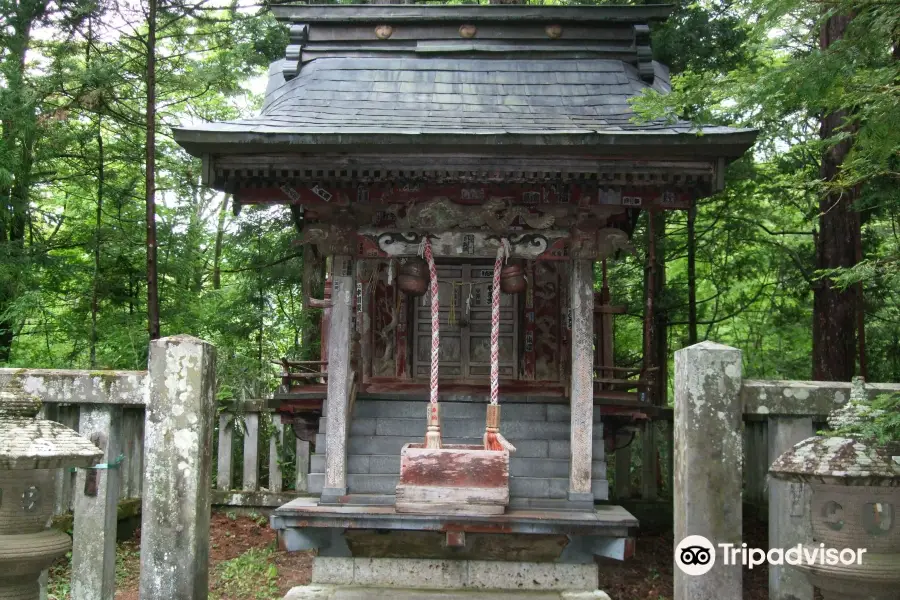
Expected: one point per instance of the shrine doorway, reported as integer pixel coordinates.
(465, 349)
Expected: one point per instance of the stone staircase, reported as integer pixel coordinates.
(539, 469)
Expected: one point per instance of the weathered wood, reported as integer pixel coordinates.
(223, 470)
(94, 535)
(398, 13)
(623, 473)
(276, 442)
(581, 286)
(176, 504)
(708, 478)
(456, 508)
(789, 518)
(340, 375)
(251, 452)
(649, 464)
(301, 464)
(467, 477)
(329, 33)
(366, 273)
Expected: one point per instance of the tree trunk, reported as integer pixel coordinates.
(661, 315)
(834, 310)
(95, 292)
(217, 253)
(18, 132)
(692, 273)
(655, 315)
(150, 188)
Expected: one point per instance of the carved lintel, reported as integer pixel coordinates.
(330, 239)
(598, 244)
(529, 245)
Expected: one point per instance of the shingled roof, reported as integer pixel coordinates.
(523, 76)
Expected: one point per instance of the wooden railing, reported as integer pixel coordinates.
(254, 436)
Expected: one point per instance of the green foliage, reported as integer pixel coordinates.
(72, 258)
(253, 574)
(782, 83)
(878, 422)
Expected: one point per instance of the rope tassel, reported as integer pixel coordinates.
(492, 438)
(433, 433)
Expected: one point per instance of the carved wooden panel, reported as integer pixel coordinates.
(465, 298)
(548, 292)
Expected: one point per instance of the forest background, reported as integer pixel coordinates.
(796, 262)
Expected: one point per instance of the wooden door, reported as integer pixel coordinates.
(465, 316)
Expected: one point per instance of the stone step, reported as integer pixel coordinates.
(463, 428)
(518, 466)
(527, 487)
(415, 409)
(391, 444)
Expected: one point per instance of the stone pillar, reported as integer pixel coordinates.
(177, 469)
(708, 463)
(96, 503)
(340, 378)
(789, 522)
(581, 430)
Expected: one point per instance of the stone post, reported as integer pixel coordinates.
(789, 522)
(177, 469)
(340, 377)
(708, 463)
(581, 430)
(96, 503)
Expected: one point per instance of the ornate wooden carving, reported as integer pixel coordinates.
(385, 320)
(546, 321)
(599, 244)
(537, 197)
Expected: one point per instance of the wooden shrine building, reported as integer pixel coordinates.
(476, 128)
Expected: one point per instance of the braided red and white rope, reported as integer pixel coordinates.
(495, 325)
(435, 323)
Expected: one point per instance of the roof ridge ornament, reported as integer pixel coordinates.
(298, 36)
(644, 52)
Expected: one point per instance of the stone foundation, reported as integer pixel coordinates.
(396, 578)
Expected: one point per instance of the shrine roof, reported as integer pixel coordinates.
(527, 77)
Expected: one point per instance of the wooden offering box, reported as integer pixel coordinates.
(453, 480)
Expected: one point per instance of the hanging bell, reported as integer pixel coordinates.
(413, 277)
(512, 278)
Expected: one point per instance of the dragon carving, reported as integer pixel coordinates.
(497, 214)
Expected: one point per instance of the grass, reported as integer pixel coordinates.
(252, 575)
(128, 560)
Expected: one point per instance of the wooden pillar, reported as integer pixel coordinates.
(366, 272)
(604, 349)
(649, 374)
(581, 430)
(340, 377)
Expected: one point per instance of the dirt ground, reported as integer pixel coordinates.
(246, 565)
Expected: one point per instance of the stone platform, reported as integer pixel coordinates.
(337, 592)
(535, 535)
(409, 578)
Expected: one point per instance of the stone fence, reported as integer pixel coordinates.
(712, 405)
(155, 428)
